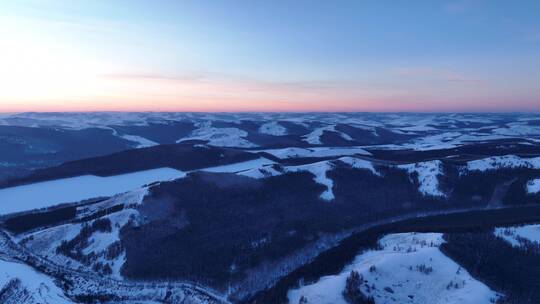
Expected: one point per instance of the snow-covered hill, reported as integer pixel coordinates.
(19, 283)
(409, 268)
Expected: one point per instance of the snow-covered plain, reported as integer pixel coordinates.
(409, 268)
(67, 190)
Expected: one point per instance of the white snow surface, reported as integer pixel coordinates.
(428, 176)
(517, 235)
(517, 129)
(418, 128)
(294, 152)
(533, 186)
(141, 141)
(263, 171)
(444, 140)
(319, 170)
(44, 242)
(128, 199)
(359, 164)
(41, 287)
(506, 161)
(314, 137)
(273, 128)
(220, 137)
(74, 189)
(395, 267)
(242, 166)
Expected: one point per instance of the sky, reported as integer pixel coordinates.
(250, 55)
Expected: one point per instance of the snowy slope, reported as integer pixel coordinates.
(24, 285)
(220, 137)
(242, 166)
(273, 128)
(45, 241)
(533, 186)
(294, 152)
(395, 274)
(141, 141)
(314, 137)
(318, 169)
(428, 176)
(49, 193)
(519, 234)
(358, 163)
(499, 162)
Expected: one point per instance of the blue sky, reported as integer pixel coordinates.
(460, 55)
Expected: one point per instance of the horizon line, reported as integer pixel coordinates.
(278, 112)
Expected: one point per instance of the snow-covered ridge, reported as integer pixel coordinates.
(409, 268)
(295, 152)
(428, 173)
(141, 141)
(242, 166)
(314, 137)
(418, 128)
(358, 163)
(428, 176)
(503, 162)
(318, 169)
(75, 189)
(220, 137)
(46, 241)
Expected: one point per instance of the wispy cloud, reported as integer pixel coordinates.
(207, 77)
(158, 76)
(436, 74)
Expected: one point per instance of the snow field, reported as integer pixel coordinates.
(74, 189)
